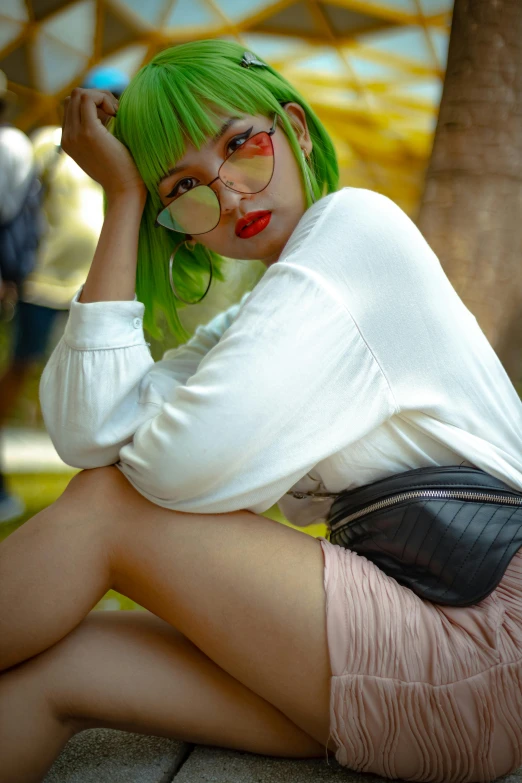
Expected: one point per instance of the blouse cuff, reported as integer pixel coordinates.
(98, 325)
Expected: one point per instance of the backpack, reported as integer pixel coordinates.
(20, 236)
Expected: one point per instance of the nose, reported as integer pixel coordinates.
(229, 199)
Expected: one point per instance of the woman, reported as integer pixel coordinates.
(352, 359)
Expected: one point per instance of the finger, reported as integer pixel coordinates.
(89, 113)
(103, 116)
(110, 105)
(73, 113)
(64, 120)
(67, 118)
(104, 100)
(113, 98)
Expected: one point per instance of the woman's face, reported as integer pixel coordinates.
(284, 197)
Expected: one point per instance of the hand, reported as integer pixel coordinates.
(86, 139)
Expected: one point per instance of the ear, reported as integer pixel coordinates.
(296, 115)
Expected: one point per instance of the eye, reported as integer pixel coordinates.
(174, 191)
(244, 136)
(230, 148)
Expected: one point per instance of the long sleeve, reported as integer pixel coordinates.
(101, 382)
(242, 413)
(289, 383)
(353, 358)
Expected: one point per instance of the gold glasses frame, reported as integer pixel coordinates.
(269, 133)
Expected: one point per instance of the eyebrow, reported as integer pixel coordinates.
(216, 138)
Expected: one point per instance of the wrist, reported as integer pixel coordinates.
(129, 197)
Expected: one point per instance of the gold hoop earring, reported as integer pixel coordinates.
(171, 261)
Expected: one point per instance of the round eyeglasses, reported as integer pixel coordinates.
(249, 169)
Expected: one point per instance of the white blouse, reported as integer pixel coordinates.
(352, 359)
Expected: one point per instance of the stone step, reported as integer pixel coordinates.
(110, 756)
(216, 765)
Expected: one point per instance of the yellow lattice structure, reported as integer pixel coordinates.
(371, 69)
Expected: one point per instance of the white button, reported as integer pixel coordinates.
(136, 323)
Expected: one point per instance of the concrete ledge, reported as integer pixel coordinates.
(109, 756)
(215, 765)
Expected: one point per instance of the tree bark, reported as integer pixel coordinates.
(471, 210)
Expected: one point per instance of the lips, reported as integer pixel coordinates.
(249, 218)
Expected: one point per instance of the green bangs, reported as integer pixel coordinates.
(172, 103)
(175, 99)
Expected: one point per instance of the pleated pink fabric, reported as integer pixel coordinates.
(420, 691)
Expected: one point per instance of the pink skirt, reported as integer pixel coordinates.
(421, 691)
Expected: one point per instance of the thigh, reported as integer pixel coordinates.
(248, 591)
(132, 671)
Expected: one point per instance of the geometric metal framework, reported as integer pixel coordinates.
(371, 69)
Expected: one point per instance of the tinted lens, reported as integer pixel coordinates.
(194, 212)
(249, 169)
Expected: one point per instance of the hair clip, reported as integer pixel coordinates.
(250, 59)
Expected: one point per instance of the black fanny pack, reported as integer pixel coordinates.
(447, 533)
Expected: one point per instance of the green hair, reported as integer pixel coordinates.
(173, 98)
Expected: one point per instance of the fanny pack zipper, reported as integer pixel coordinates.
(429, 494)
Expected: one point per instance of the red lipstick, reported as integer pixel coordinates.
(252, 223)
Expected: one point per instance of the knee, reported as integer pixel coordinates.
(94, 498)
(104, 496)
(98, 486)
(91, 477)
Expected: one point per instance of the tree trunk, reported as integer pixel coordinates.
(471, 211)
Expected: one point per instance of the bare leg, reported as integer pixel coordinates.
(246, 591)
(131, 671)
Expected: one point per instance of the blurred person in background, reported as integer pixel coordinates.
(73, 210)
(20, 232)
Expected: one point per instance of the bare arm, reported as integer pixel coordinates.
(112, 276)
